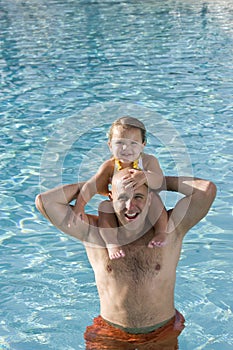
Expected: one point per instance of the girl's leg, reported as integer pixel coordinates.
(108, 229)
(158, 219)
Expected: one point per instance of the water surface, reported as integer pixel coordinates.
(68, 69)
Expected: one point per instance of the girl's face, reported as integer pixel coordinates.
(126, 144)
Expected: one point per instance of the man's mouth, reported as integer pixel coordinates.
(131, 216)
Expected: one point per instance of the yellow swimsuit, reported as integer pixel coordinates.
(137, 164)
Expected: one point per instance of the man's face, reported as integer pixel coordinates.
(130, 205)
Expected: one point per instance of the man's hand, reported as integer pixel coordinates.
(76, 218)
(77, 213)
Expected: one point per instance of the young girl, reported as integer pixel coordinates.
(127, 139)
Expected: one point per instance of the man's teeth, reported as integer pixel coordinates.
(131, 216)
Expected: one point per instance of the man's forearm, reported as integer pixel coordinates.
(185, 185)
(88, 191)
(63, 195)
(198, 197)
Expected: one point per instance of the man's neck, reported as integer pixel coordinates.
(127, 236)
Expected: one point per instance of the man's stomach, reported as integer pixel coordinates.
(137, 305)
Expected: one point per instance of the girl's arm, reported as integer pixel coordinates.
(97, 184)
(152, 174)
(152, 170)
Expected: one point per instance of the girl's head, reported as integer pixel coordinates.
(127, 138)
(128, 123)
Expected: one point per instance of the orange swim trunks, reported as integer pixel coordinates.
(101, 335)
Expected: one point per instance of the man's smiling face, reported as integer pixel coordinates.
(130, 205)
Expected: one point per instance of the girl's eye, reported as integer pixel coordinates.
(135, 144)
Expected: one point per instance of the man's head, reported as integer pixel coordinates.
(131, 205)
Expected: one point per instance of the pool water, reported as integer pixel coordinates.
(68, 69)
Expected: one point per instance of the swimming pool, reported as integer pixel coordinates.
(68, 68)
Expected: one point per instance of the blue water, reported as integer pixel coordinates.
(68, 69)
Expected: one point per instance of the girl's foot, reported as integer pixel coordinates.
(159, 240)
(115, 253)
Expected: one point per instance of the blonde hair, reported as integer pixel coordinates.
(127, 123)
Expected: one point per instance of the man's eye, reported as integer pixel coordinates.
(138, 196)
(122, 198)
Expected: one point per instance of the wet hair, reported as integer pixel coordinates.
(127, 123)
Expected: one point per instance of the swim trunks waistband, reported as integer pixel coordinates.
(141, 330)
(102, 335)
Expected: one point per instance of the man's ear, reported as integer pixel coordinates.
(149, 198)
(110, 195)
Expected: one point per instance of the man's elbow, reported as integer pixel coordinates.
(211, 191)
(40, 205)
(38, 202)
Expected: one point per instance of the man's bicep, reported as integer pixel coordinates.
(185, 215)
(54, 212)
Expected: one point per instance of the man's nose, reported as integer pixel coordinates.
(129, 204)
(124, 147)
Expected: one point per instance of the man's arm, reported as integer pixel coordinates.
(55, 206)
(199, 196)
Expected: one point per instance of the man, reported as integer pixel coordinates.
(137, 292)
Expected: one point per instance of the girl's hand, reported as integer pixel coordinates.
(134, 178)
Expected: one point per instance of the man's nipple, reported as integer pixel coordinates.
(109, 268)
